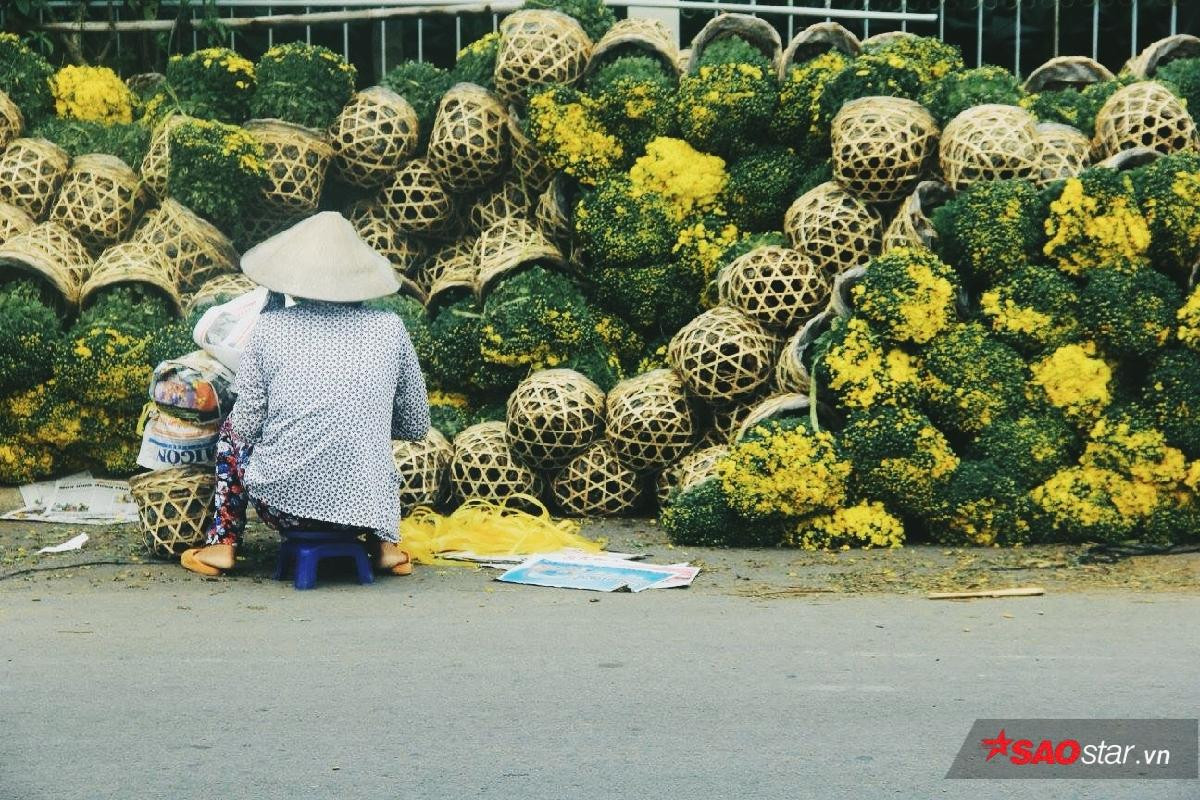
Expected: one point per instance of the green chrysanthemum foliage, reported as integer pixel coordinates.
(449, 419)
(1130, 314)
(761, 186)
(798, 121)
(724, 108)
(1029, 446)
(959, 91)
(990, 230)
(1183, 75)
(1168, 190)
(733, 50)
(899, 458)
(593, 15)
(215, 169)
(659, 298)
(634, 100)
(855, 370)
(908, 295)
(616, 229)
(136, 306)
(454, 357)
(1034, 310)
(932, 57)
(973, 379)
(980, 505)
(476, 63)
(213, 83)
(302, 83)
(1171, 398)
(415, 319)
(422, 84)
(701, 517)
(1094, 221)
(1074, 107)
(30, 336)
(25, 77)
(870, 76)
(127, 142)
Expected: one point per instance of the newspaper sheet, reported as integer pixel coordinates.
(78, 500)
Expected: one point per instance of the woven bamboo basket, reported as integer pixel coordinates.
(773, 407)
(50, 252)
(405, 252)
(882, 146)
(156, 164)
(415, 199)
(553, 212)
(507, 200)
(912, 227)
(538, 47)
(636, 36)
(816, 40)
(507, 246)
(195, 249)
(220, 289)
(451, 271)
(12, 121)
(1067, 72)
(553, 415)
(1130, 159)
(989, 142)
(754, 30)
(143, 83)
(649, 420)
(596, 484)
(841, 299)
(485, 467)
(131, 262)
(99, 200)
(833, 228)
(777, 286)
(468, 145)
(791, 370)
(423, 466)
(722, 354)
(297, 159)
(175, 507)
(1143, 114)
(1064, 152)
(534, 173)
(694, 468)
(376, 131)
(31, 170)
(1157, 54)
(259, 222)
(13, 220)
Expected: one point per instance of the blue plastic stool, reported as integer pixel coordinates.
(301, 551)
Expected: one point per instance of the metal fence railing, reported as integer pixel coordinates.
(1018, 34)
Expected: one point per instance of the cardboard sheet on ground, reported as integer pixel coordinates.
(599, 574)
(77, 500)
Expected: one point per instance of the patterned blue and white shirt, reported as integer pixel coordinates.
(323, 388)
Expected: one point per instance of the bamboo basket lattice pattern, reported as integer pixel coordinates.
(468, 145)
(132, 262)
(31, 171)
(553, 415)
(531, 168)
(451, 268)
(507, 246)
(1144, 114)
(422, 466)
(636, 36)
(175, 507)
(753, 30)
(881, 146)
(297, 159)
(694, 468)
(99, 200)
(51, 252)
(220, 289)
(156, 164)
(499, 203)
(415, 199)
(404, 252)
(553, 213)
(912, 227)
(990, 142)
(833, 228)
(485, 467)
(195, 249)
(777, 286)
(1067, 72)
(12, 121)
(372, 136)
(596, 484)
(791, 371)
(722, 354)
(539, 47)
(649, 421)
(1063, 152)
(13, 220)
(259, 223)
(815, 40)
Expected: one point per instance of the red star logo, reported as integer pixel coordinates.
(999, 745)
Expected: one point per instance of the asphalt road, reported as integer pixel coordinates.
(450, 686)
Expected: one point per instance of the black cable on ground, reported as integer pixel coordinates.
(1112, 553)
(49, 568)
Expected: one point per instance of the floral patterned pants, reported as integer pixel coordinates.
(231, 498)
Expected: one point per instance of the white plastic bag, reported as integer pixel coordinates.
(224, 331)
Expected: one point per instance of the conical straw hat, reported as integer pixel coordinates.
(321, 257)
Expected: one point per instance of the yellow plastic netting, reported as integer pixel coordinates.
(489, 529)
